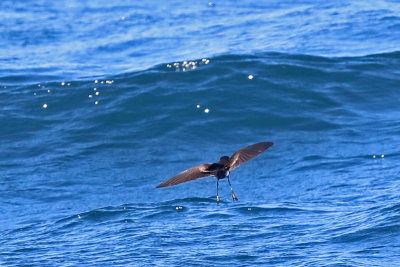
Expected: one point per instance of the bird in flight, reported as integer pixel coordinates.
(221, 169)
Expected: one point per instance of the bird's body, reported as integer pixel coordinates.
(221, 169)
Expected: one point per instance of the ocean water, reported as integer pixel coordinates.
(100, 102)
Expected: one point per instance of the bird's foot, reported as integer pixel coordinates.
(234, 196)
(218, 199)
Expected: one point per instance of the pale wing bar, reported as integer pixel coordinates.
(188, 175)
(245, 154)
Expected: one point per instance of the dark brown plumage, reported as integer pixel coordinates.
(220, 169)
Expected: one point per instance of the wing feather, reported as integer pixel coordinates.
(188, 175)
(245, 154)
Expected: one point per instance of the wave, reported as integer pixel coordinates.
(255, 97)
(34, 76)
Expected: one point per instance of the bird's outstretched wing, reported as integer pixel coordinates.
(247, 153)
(188, 175)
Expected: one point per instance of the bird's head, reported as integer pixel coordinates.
(224, 160)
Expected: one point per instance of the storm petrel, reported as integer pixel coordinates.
(220, 169)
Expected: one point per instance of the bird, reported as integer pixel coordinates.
(220, 169)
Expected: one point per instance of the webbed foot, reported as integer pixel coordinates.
(234, 196)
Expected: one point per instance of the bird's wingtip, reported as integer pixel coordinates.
(163, 184)
(268, 143)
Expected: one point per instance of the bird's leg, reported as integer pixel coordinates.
(218, 199)
(233, 193)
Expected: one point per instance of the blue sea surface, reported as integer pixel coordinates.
(102, 101)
